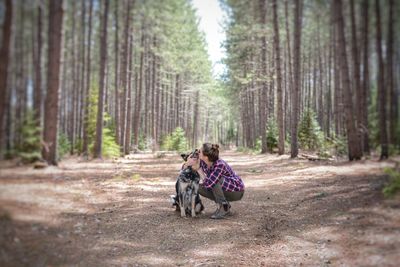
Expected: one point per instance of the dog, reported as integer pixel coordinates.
(187, 199)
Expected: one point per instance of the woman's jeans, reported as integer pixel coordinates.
(218, 195)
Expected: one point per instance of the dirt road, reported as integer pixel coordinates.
(116, 213)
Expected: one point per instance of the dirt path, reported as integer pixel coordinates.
(294, 213)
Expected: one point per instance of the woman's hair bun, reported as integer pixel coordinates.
(215, 146)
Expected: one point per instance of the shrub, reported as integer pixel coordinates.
(175, 141)
(63, 145)
(110, 148)
(272, 134)
(29, 147)
(394, 183)
(310, 134)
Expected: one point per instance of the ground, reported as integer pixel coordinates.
(116, 213)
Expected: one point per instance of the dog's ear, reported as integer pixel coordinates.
(185, 156)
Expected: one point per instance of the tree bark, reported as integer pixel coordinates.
(381, 87)
(365, 83)
(296, 82)
(49, 151)
(87, 86)
(116, 81)
(138, 105)
(356, 71)
(100, 103)
(352, 140)
(37, 55)
(263, 88)
(124, 76)
(127, 142)
(390, 76)
(281, 142)
(4, 58)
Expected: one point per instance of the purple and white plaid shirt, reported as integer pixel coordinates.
(221, 170)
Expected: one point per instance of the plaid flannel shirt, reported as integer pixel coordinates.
(221, 170)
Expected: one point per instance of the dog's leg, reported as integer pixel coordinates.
(181, 205)
(182, 189)
(193, 202)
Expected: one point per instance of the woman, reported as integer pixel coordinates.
(220, 182)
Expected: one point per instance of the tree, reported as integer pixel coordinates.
(381, 87)
(352, 140)
(4, 58)
(103, 59)
(85, 146)
(365, 82)
(50, 131)
(296, 78)
(281, 143)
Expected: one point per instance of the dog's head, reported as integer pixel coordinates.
(194, 154)
(188, 175)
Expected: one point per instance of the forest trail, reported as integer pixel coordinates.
(116, 213)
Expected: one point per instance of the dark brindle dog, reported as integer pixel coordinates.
(187, 197)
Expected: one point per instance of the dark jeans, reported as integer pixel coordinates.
(218, 195)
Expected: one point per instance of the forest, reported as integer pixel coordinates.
(107, 78)
(99, 97)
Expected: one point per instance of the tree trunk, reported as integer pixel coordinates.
(263, 95)
(296, 82)
(281, 143)
(381, 87)
(356, 72)
(289, 63)
(82, 96)
(87, 86)
(4, 58)
(49, 151)
(116, 81)
(365, 84)
(352, 140)
(124, 76)
(37, 55)
(390, 76)
(127, 142)
(138, 105)
(100, 104)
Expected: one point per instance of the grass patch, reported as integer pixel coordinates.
(136, 177)
(394, 183)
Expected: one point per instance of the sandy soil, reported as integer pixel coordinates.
(116, 213)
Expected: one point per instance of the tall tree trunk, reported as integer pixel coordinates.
(127, 142)
(49, 151)
(100, 104)
(296, 81)
(82, 96)
(281, 143)
(138, 105)
(390, 76)
(73, 88)
(124, 76)
(4, 58)
(356, 71)
(264, 88)
(196, 118)
(290, 74)
(352, 140)
(365, 84)
(381, 87)
(116, 81)
(87, 86)
(37, 55)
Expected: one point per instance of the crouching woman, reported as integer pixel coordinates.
(220, 183)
